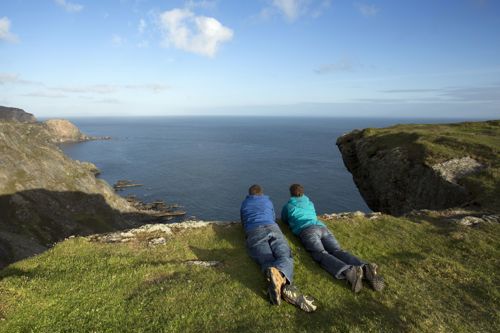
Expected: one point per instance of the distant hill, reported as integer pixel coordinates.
(15, 114)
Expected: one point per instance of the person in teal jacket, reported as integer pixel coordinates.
(300, 215)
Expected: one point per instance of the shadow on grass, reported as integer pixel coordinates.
(235, 261)
(15, 272)
(32, 221)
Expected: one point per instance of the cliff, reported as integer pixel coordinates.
(45, 196)
(15, 114)
(408, 167)
(62, 130)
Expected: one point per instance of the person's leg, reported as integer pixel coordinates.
(282, 253)
(259, 249)
(368, 270)
(332, 246)
(311, 239)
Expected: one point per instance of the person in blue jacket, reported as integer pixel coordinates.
(267, 245)
(300, 215)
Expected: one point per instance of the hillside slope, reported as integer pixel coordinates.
(406, 167)
(45, 196)
(440, 278)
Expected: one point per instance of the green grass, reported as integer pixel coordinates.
(440, 278)
(435, 143)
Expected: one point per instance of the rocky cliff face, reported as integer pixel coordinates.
(409, 167)
(15, 114)
(62, 130)
(45, 196)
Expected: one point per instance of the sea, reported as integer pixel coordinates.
(207, 164)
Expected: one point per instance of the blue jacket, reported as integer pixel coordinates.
(257, 210)
(299, 213)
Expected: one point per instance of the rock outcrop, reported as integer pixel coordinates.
(62, 130)
(45, 196)
(413, 167)
(15, 114)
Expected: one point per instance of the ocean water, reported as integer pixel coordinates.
(206, 164)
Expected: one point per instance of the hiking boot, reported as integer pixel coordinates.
(292, 295)
(354, 275)
(374, 280)
(276, 282)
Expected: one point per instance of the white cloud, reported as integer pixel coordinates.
(5, 33)
(293, 9)
(104, 89)
(367, 10)
(70, 7)
(142, 26)
(107, 101)
(95, 89)
(189, 32)
(153, 87)
(10, 78)
(117, 40)
(44, 94)
(206, 4)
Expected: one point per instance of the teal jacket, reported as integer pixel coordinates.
(299, 213)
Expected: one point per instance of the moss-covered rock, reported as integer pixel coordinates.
(406, 167)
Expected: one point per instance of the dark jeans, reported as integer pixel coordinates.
(325, 249)
(269, 248)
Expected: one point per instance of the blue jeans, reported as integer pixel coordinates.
(325, 249)
(269, 248)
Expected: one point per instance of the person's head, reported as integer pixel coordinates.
(255, 189)
(296, 190)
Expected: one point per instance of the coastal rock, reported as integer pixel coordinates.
(15, 114)
(351, 215)
(204, 263)
(62, 130)
(405, 168)
(457, 168)
(90, 167)
(154, 234)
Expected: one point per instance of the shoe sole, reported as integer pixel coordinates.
(375, 281)
(358, 282)
(303, 302)
(277, 281)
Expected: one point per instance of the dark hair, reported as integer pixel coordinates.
(296, 190)
(255, 189)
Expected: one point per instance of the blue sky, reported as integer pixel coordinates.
(395, 58)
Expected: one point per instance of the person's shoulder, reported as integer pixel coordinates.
(246, 200)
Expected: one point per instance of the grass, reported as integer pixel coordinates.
(435, 143)
(440, 278)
